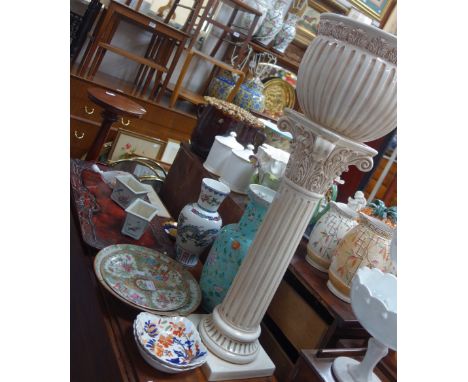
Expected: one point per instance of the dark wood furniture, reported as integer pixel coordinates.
(102, 344)
(115, 106)
(315, 365)
(161, 64)
(158, 122)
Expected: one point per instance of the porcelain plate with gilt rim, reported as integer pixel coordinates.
(147, 280)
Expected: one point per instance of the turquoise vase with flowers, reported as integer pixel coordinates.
(231, 246)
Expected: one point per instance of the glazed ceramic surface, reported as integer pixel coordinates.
(126, 190)
(272, 164)
(139, 214)
(272, 23)
(220, 151)
(327, 233)
(238, 170)
(275, 137)
(199, 223)
(171, 341)
(247, 18)
(146, 279)
(287, 33)
(222, 85)
(250, 95)
(231, 246)
(347, 80)
(367, 244)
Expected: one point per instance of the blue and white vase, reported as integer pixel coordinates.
(199, 223)
(287, 33)
(272, 23)
(250, 95)
(231, 246)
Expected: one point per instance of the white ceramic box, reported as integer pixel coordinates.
(127, 189)
(139, 214)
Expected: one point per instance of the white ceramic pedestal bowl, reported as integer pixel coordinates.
(347, 80)
(374, 302)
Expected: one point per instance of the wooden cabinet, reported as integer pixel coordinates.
(158, 122)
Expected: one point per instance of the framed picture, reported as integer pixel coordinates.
(306, 27)
(377, 9)
(128, 144)
(170, 152)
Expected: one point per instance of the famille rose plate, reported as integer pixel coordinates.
(147, 279)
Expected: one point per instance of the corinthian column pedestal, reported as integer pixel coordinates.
(318, 156)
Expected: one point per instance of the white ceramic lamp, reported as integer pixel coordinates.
(374, 302)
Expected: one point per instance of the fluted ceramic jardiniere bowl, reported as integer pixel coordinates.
(347, 80)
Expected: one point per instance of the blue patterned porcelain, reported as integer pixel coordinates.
(231, 246)
(199, 223)
(250, 95)
(222, 85)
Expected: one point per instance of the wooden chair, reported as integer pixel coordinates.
(167, 50)
(230, 34)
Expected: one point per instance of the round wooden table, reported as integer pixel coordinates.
(115, 106)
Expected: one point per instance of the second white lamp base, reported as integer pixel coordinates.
(216, 369)
(341, 370)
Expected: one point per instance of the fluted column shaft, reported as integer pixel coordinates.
(318, 157)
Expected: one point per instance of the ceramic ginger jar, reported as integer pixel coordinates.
(220, 151)
(366, 245)
(199, 223)
(327, 233)
(250, 95)
(287, 33)
(222, 85)
(231, 246)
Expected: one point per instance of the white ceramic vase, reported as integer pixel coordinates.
(366, 245)
(327, 233)
(220, 151)
(238, 170)
(247, 18)
(287, 33)
(350, 84)
(272, 23)
(199, 223)
(374, 302)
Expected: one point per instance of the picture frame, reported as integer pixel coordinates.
(170, 151)
(306, 27)
(128, 144)
(377, 9)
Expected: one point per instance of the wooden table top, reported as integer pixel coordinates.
(102, 343)
(115, 102)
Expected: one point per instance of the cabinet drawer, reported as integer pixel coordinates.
(296, 319)
(82, 134)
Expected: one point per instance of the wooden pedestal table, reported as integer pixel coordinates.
(115, 106)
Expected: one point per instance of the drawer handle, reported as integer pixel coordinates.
(125, 123)
(88, 111)
(79, 137)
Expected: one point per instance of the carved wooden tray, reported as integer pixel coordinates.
(101, 219)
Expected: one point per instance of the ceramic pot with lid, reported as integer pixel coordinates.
(218, 117)
(238, 170)
(220, 151)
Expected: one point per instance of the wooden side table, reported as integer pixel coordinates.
(115, 106)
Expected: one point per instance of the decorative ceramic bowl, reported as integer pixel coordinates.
(171, 342)
(347, 80)
(127, 189)
(139, 215)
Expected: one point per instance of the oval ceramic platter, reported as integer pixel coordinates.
(147, 280)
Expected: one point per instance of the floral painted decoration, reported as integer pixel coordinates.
(170, 340)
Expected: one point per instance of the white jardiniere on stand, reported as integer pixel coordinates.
(319, 155)
(199, 223)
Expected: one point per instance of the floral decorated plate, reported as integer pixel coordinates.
(173, 341)
(145, 279)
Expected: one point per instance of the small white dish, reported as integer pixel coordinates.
(139, 215)
(127, 189)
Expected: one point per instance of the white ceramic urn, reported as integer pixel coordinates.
(220, 151)
(350, 84)
(327, 233)
(238, 170)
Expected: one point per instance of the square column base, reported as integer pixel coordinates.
(216, 369)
